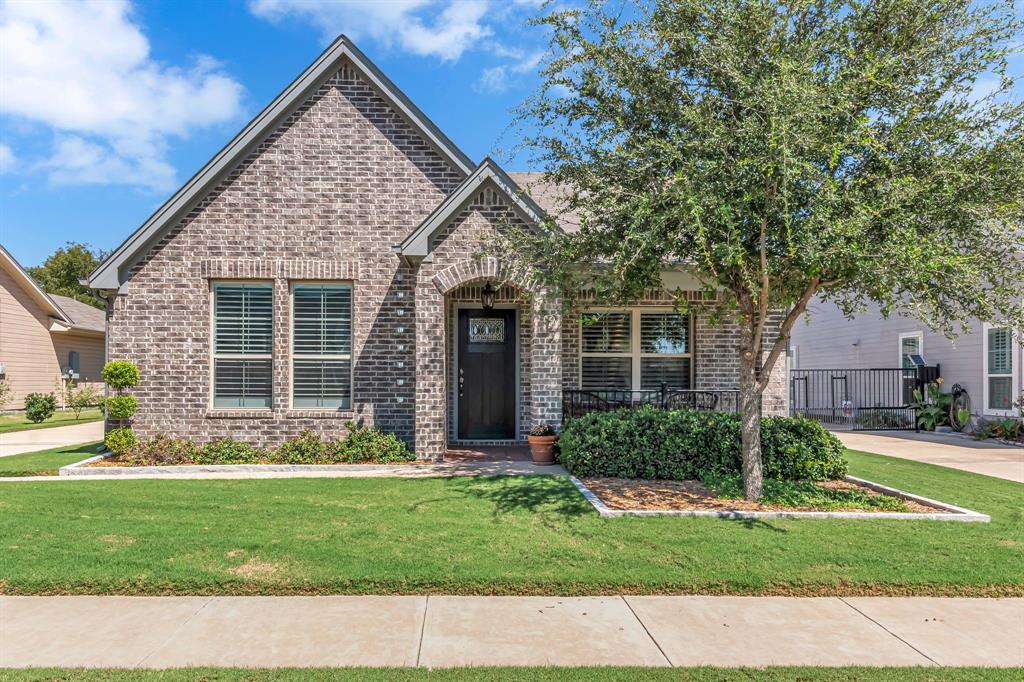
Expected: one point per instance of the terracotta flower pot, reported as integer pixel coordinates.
(542, 449)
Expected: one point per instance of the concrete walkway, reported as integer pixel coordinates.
(442, 631)
(43, 439)
(979, 457)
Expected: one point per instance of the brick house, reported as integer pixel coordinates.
(328, 265)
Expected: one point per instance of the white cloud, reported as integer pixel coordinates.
(8, 160)
(500, 78)
(394, 23)
(84, 71)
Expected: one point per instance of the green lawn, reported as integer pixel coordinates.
(45, 462)
(514, 535)
(17, 422)
(537, 674)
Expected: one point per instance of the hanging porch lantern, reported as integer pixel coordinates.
(487, 296)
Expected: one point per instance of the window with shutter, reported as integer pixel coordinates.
(243, 326)
(635, 349)
(322, 346)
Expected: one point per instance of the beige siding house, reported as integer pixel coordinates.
(44, 337)
(987, 360)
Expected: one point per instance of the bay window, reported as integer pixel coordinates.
(637, 349)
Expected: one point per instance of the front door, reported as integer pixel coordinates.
(486, 374)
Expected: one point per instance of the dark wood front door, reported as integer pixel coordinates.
(486, 374)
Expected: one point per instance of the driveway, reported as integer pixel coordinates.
(44, 439)
(955, 452)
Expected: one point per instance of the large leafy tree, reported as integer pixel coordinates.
(860, 151)
(61, 271)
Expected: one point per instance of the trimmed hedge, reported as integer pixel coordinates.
(685, 444)
(362, 444)
(121, 406)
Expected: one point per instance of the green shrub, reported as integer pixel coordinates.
(121, 406)
(120, 374)
(121, 440)
(369, 445)
(79, 398)
(40, 406)
(685, 444)
(305, 449)
(159, 450)
(229, 451)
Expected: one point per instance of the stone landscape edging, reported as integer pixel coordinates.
(953, 513)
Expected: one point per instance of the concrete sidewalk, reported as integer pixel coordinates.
(44, 439)
(442, 631)
(979, 457)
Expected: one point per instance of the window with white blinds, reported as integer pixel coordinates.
(322, 346)
(243, 325)
(635, 349)
(999, 378)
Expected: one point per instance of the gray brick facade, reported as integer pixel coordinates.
(325, 197)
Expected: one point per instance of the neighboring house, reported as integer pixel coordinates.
(329, 265)
(44, 338)
(988, 361)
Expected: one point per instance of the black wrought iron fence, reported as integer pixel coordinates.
(860, 399)
(578, 402)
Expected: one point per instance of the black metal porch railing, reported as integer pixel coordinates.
(860, 399)
(578, 402)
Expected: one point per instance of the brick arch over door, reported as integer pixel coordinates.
(433, 357)
(469, 271)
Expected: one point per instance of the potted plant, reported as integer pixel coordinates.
(542, 438)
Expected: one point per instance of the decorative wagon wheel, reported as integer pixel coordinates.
(961, 402)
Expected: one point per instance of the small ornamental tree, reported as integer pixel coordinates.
(859, 151)
(121, 375)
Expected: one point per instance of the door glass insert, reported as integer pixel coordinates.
(486, 330)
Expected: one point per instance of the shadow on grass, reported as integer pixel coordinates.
(537, 494)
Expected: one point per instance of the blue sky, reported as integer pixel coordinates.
(108, 106)
(106, 109)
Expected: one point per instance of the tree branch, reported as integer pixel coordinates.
(779, 347)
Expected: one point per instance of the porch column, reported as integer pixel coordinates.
(546, 360)
(431, 394)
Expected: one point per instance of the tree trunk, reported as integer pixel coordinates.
(750, 419)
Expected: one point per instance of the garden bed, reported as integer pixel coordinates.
(108, 464)
(847, 498)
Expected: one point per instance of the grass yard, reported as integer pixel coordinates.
(45, 462)
(512, 535)
(10, 423)
(533, 674)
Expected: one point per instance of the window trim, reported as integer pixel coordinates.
(293, 356)
(214, 356)
(1014, 370)
(919, 335)
(635, 354)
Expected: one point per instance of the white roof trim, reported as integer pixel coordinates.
(417, 244)
(109, 274)
(33, 289)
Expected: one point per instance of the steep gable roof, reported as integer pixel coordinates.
(36, 292)
(110, 273)
(417, 244)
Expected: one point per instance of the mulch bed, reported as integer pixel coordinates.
(639, 494)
